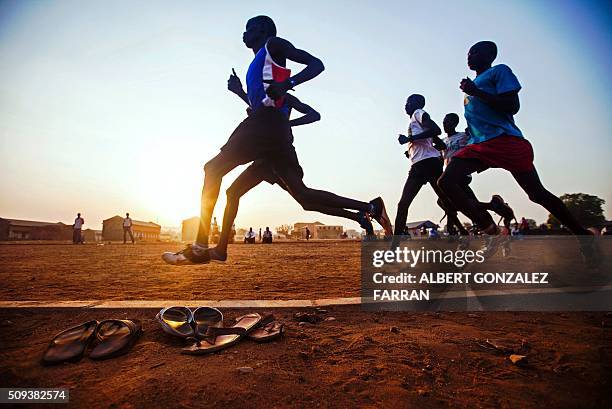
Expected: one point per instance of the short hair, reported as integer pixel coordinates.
(489, 47)
(267, 24)
(417, 99)
(453, 117)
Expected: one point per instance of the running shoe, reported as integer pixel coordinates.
(379, 213)
(495, 241)
(189, 255)
(366, 224)
(503, 209)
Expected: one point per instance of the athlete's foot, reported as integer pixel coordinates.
(366, 224)
(499, 206)
(379, 213)
(497, 237)
(192, 254)
(217, 255)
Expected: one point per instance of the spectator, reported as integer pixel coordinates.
(77, 238)
(249, 238)
(267, 236)
(127, 228)
(307, 234)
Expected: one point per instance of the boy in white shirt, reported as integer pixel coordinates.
(76, 229)
(424, 145)
(127, 228)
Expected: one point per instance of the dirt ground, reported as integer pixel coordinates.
(357, 359)
(295, 270)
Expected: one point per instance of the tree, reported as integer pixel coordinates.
(587, 209)
(284, 229)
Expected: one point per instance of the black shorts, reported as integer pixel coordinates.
(263, 134)
(278, 167)
(426, 171)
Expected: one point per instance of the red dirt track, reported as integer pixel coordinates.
(358, 359)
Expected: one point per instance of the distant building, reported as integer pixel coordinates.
(353, 234)
(91, 235)
(415, 228)
(299, 230)
(189, 229)
(112, 230)
(322, 232)
(14, 229)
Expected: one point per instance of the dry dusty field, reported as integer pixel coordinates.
(136, 272)
(358, 359)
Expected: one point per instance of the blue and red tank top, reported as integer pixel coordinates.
(264, 68)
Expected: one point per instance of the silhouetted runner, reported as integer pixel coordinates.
(491, 101)
(265, 138)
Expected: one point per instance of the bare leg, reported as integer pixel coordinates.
(451, 183)
(317, 200)
(243, 183)
(531, 184)
(411, 189)
(214, 171)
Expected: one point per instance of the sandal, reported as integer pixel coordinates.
(269, 329)
(218, 338)
(115, 337)
(70, 344)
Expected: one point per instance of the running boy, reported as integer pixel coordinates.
(423, 134)
(455, 141)
(495, 141)
(265, 137)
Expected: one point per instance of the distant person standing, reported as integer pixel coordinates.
(215, 231)
(76, 229)
(307, 234)
(260, 234)
(127, 228)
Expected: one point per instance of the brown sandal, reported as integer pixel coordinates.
(269, 329)
(70, 345)
(115, 337)
(217, 338)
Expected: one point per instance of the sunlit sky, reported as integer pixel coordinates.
(115, 106)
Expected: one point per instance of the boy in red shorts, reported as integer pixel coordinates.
(495, 141)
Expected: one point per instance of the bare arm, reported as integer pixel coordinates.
(430, 129)
(310, 115)
(281, 50)
(235, 86)
(508, 102)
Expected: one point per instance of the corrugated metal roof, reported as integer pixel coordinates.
(31, 223)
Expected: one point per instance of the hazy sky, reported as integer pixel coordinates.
(114, 106)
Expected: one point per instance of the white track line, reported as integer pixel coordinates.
(277, 303)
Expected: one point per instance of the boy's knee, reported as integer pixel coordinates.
(214, 166)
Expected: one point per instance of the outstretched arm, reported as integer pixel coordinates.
(281, 49)
(508, 102)
(310, 115)
(235, 86)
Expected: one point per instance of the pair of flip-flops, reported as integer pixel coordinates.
(204, 329)
(112, 338)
